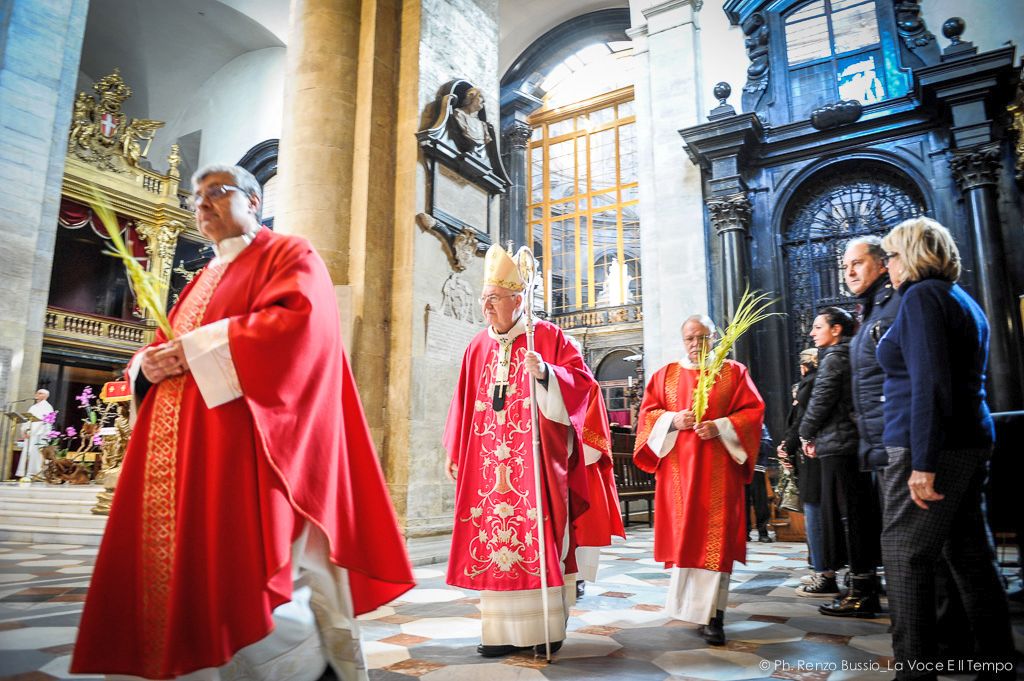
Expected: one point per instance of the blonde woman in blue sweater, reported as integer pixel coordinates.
(938, 435)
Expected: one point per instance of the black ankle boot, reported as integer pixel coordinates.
(714, 632)
(862, 601)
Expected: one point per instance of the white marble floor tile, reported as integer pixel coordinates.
(432, 596)
(427, 573)
(12, 577)
(625, 618)
(31, 638)
(382, 611)
(383, 654)
(443, 627)
(50, 562)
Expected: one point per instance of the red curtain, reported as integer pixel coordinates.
(74, 215)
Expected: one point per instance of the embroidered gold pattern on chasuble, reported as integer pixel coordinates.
(160, 482)
(718, 403)
(504, 515)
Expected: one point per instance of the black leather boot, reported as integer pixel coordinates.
(714, 632)
(862, 601)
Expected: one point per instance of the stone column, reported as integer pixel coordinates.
(40, 47)
(516, 140)
(977, 174)
(730, 217)
(666, 46)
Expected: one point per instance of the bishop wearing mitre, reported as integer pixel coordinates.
(488, 438)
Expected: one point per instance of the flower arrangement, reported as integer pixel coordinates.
(750, 311)
(75, 444)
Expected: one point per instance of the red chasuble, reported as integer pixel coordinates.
(604, 518)
(197, 551)
(699, 501)
(494, 541)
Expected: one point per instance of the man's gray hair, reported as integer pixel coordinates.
(240, 177)
(703, 320)
(44, 390)
(873, 243)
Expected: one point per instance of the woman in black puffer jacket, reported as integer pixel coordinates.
(829, 433)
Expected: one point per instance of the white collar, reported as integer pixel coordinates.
(229, 249)
(687, 364)
(518, 329)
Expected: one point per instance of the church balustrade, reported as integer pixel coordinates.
(621, 314)
(77, 328)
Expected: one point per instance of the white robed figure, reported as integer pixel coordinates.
(31, 461)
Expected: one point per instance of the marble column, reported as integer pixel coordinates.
(516, 141)
(977, 173)
(669, 95)
(339, 160)
(318, 129)
(40, 48)
(730, 217)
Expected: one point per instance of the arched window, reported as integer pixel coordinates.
(846, 201)
(834, 52)
(616, 374)
(583, 216)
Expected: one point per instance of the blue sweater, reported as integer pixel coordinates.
(934, 358)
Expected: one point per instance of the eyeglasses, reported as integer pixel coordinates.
(695, 339)
(493, 299)
(218, 191)
(889, 256)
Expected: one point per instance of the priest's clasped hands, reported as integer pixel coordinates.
(684, 420)
(164, 361)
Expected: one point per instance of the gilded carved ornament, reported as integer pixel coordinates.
(1016, 110)
(101, 133)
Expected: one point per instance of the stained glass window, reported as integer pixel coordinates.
(834, 52)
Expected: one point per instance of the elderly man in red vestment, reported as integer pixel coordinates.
(701, 470)
(488, 437)
(251, 523)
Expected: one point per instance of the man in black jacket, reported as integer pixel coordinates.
(867, 278)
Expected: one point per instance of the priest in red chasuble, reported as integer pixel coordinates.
(701, 470)
(251, 524)
(488, 438)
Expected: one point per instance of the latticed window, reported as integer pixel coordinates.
(851, 200)
(834, 52)
(583, 210)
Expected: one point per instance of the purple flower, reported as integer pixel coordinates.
(71, 432)
(50, 418)
(97, 440)
(53, 434)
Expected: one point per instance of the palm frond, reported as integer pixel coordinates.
(150, 290)
(752, 310)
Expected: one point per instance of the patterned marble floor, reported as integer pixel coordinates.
(617, 631)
